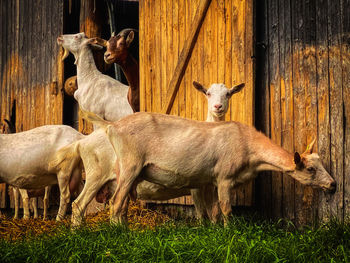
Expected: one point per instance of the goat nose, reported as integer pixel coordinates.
(107, 55)
(333, 187)
(218, 106)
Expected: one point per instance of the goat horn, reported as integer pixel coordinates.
(66, 53)
(113, 34)
(310, 147)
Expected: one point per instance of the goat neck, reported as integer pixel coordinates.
(85, 64)
(212, 118)
(268, 156)
(130, 68)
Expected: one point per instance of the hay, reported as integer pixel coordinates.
(19, 229)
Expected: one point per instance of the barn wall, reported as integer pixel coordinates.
(303, 76)
(222, 54)
(31, 71)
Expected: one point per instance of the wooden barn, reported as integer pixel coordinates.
(293, 56)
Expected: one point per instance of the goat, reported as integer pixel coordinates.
(180, 153)
(97, 93)
(27, 194)
(218, 96)
(25, 157)
(118, 52)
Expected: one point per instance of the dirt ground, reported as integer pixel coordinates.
(138, 218)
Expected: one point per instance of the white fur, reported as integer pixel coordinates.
(97, 93)
(25, 157)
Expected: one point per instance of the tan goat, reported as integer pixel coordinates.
(180, 153)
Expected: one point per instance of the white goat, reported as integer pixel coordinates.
(218, 96)
(97, 93)
(33, 194)
(181, 153)
(25, 157)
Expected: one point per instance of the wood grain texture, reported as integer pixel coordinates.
(29, 66)
(323, 99)
(345, 55)
(185, 53)
(336, 105)
(309, 57)
(275, 98)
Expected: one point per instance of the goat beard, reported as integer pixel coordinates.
(65, 54)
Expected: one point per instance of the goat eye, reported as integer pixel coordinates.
(311, 169)
(208, 94)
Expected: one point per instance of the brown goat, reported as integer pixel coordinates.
(118, 52)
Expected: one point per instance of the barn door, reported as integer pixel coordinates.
(207, 41)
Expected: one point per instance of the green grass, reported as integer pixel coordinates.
(244, 240)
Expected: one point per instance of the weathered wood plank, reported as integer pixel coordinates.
(249, 78)
(323, 98)
(3, 75)
(154, 67)
(262, 103)
(345, 54)
(188, 73)
(182, 36)
(336, 105)
(275, 95)
(49, 62)
(207, 60)
(221, 18)
(186, 54)
(164, 55)
(310, 196)
(228, 50)
(170, 47)
(175, 32)
(240, 73)
(198, 69)
(286, 101)
(299, 98)
(142, 50)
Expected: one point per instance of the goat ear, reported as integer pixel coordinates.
(199, 87)
(130, 38)
(93, 42)
(310, 147)
(98, 41)
(297, 160)
(235, 89)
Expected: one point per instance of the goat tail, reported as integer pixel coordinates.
(95, 119)
(65, 157)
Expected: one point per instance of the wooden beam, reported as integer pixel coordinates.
(185, 55)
